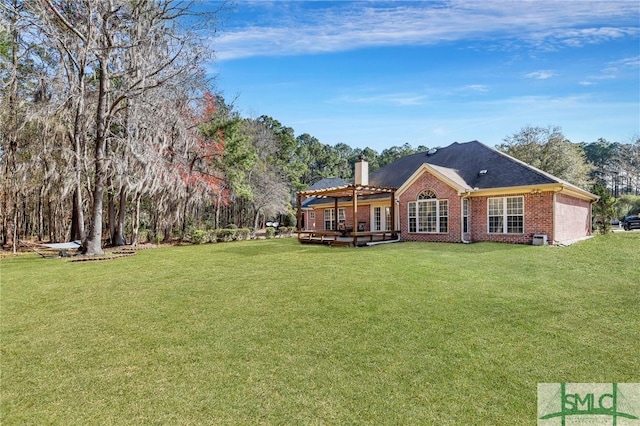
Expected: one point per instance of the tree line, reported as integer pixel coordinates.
(111, 132)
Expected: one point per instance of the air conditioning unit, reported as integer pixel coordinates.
(540, 240)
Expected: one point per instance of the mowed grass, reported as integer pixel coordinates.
(274, 332)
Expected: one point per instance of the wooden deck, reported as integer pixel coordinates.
(348, 239)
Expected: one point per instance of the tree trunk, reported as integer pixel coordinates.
(50, 220)
(25, 219)
(185, 210)
(15, 228)
(111, 214)
(77, 216)
(217, 213)
(94, 241)
(13, 124)
(136, 221)
(118, 238)
(167, 234)
(5, 218)
(78, 141)
(256, 220)
(40, 213)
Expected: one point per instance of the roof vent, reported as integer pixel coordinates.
(482, 172)
(432, 151)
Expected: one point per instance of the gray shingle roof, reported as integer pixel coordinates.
(464, 162)
(328, 183)
(323, 183)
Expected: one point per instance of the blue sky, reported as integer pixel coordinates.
(380, 74)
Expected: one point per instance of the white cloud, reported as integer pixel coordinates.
(614, 69)
(475, 88)
(343, 26)
(557, 38)
(396, 99)
(541, 75)
(632, 62)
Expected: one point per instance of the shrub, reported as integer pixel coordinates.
(199, 236)
(243, 234)
(143, 235)
(271, 232)
(225, 235)
(290, 220)
(285, 231)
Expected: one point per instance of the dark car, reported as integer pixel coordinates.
(631, 222)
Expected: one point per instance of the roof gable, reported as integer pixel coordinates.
(447, 175)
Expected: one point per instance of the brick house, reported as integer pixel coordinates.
(465, 192)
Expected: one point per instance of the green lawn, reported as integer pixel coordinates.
(274, 332)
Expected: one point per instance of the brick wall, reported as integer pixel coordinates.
(538, 215)
(308, 222)
(538, 219)
(443, 192)
(573, 218)
(364, 215)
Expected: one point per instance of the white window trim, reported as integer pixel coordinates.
(437, 202)
(376, 221)
(505, 225)
(342, 215)
(465, 202)
(388, 226)
(331, 219)
(385, 218)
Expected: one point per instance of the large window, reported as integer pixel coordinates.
(330, 218)
(428, 214)
(506, 215)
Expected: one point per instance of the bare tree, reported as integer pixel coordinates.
(270, 189)
(548, 149)
(129, 49)
(22, 95)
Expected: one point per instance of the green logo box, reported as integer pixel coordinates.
(581, 404)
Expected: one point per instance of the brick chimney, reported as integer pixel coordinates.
(362, 171)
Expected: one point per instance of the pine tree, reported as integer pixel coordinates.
(603, 209)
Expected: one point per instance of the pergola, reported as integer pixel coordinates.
(352, 191)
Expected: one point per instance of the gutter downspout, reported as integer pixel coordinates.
(555, 219)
